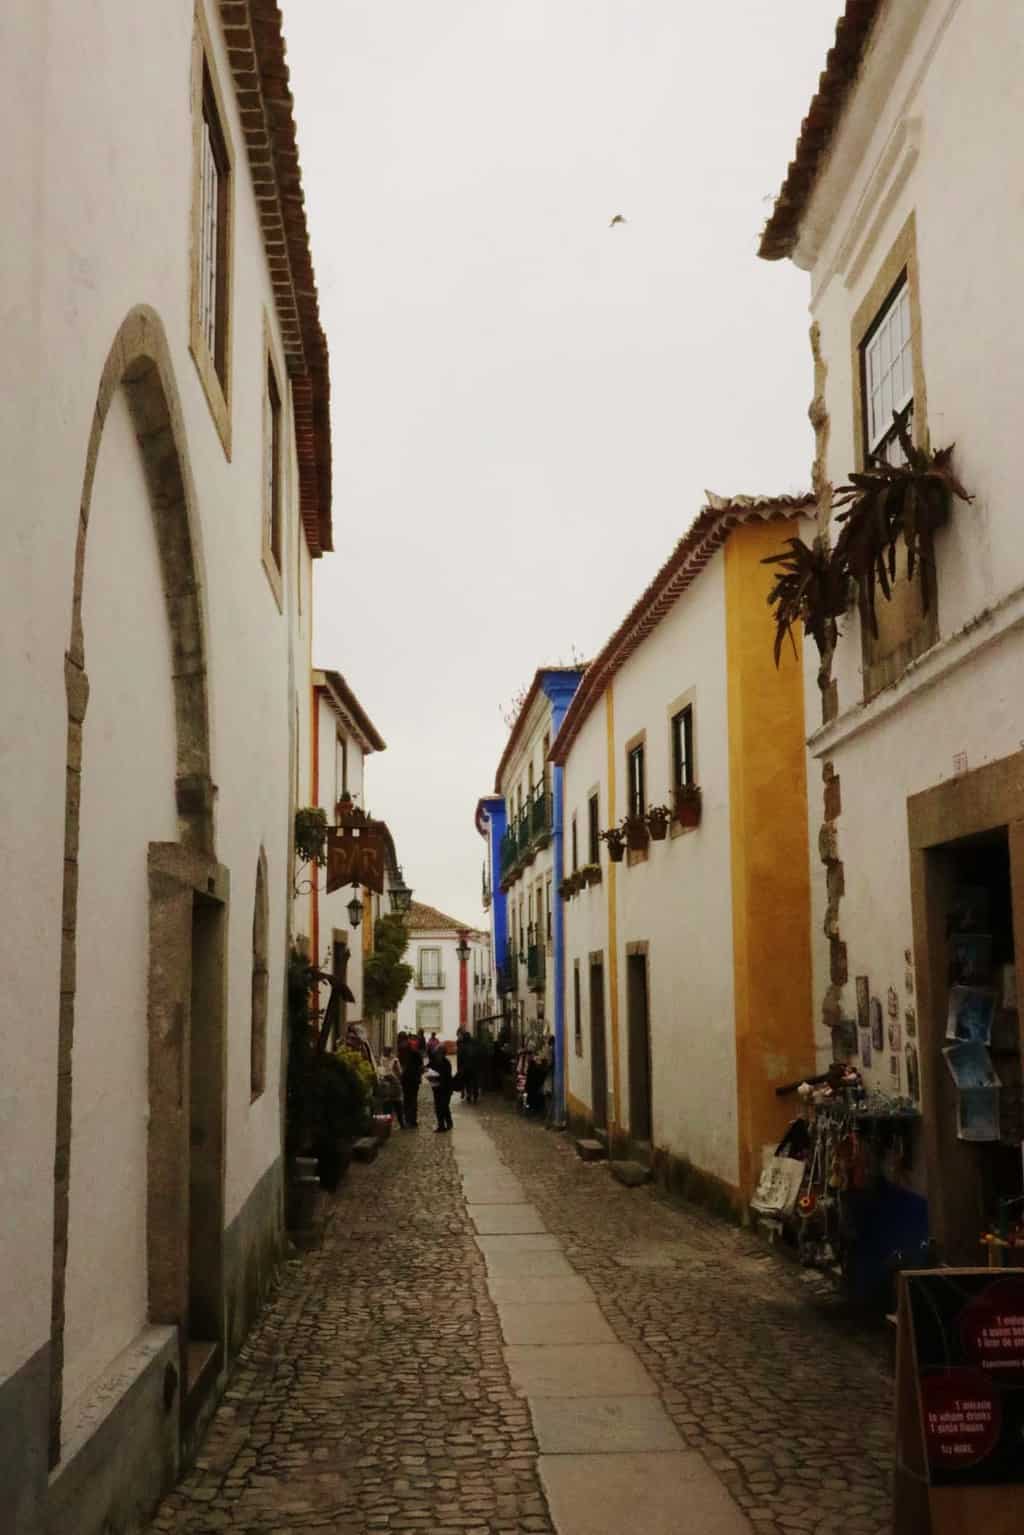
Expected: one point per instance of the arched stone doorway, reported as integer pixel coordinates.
(187, 891)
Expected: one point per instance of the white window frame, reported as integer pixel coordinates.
(888, 367)
(429, 976)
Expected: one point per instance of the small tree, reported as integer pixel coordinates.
(386, 977)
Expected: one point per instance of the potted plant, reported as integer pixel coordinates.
(637, 835)
(658, 818)
(592, 874)
(687, 804)
(341, 1094)
(311, 836)
(615, 838)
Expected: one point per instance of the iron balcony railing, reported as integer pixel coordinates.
(431, 980)
(530, 830)
(540, 816)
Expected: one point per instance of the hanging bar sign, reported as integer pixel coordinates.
(355, 856)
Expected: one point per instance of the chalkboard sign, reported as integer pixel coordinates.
(960, 1402)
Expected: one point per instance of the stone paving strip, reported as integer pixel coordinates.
(611, 1459)
(787, 1399)
(373, 1395)
(495, 1337)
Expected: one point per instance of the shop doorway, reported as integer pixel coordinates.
(598, 1053)
(968, 897)
(638, 1023)
(205, 1325)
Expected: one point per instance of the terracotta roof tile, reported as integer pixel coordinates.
(423, 918)
(254, 35)
(853, 30)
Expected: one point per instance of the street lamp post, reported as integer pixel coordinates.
(401, 895)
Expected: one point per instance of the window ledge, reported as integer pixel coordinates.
(987, 628)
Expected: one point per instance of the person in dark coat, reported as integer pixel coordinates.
(470, 1069)
(411, 1062)
(440, 1079)
(463, 1045)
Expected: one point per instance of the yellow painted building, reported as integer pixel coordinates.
(687, 954)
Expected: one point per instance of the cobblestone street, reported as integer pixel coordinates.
(376, 1395)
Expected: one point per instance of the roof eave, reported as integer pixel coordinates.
(781, 234)
(706, 535)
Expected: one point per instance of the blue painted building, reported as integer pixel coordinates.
(522, 823)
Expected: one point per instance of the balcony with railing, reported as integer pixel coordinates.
(526, 835)
(535, 966)
(430, 980)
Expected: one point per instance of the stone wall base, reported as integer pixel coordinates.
(254, 1244)
(24, 1436)
(679, 1177)
(120, 1444)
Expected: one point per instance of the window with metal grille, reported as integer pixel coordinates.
(887, 358)
(214, 167)
(682, 748)
(593, 831)
(637, 783)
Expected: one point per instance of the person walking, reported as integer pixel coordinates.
(391, 1086)
(463, 1049)
(411, 1063)
(470, 1068)
(439, 1075)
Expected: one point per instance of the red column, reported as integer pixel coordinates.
(463, 984)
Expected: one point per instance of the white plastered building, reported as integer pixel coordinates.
(899, 208)
(167, 446)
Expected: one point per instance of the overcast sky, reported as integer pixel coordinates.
(528, 405)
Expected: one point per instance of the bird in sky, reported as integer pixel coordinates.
(620, 218)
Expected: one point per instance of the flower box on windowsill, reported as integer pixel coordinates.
(688, 804)
(658, 820)
(616, 842)
(591, 873)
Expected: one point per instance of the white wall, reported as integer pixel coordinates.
(446, 996)
(102, 167)
(678, 901)
(333, 907)
(127, 801)
(958, 97)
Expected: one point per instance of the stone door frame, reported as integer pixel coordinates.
(139, 362)
(990, 798)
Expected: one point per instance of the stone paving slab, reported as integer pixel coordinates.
(608, 1425)
(519, 1243)
(539, 1290)
(553, 1323)
(669, 1493)
(504, 1220)
(537, 1265)
(578, 1369)
(497, 1191)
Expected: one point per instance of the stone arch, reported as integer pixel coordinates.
(139, 362)
(260, 981)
